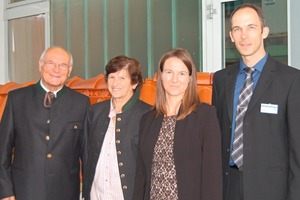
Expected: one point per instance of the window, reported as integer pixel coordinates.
(96, 31)
(27, 24)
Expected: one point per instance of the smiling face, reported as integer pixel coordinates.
(119, 85)
(175, 78)
(55, 68)
(248, 33)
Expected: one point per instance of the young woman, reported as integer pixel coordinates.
(179, 155)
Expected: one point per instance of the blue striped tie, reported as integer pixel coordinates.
(242, 106)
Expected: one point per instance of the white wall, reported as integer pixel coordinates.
(3, 68)
(294, 31)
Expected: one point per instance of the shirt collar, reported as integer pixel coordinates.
(258, 66)
(112, 112)
(131, 102)
(47, 90)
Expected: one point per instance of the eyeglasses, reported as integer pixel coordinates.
(62, 66)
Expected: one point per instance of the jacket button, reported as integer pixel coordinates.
(118, 141)
(48, 121)
(75, 127)
(47, 137)
(49, 155)
(119, 119)
(122, 175)
(124, 187)
(119, 152)
(121, 164)
(118, 130)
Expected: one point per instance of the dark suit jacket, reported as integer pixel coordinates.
(197, 155)
(271, 169)
(48, 144)
(126, 132)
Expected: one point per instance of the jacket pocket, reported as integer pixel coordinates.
(75, 127)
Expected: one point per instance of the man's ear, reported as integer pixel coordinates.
(70, 70)
(41, 63)
(265, 32)
(230, 34)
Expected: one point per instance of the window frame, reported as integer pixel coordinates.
(17, 10)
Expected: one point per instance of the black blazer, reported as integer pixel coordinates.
(271, 169)
(48, 144)
(197, 155)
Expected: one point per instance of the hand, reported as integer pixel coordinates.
(9, 198)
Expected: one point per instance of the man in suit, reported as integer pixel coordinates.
(269, 166)
(45, 132)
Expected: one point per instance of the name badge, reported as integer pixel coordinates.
(269, 108)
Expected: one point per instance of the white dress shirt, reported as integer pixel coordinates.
(107, 182)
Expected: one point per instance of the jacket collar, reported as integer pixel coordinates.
(265, 79)
(39, 87)
(131, 102)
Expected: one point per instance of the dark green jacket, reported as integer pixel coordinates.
(127, 129)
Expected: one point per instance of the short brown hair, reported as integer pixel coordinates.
(133, 66)
(257, 9)
(190, 99)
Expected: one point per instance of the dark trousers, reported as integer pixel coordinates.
(235, 184)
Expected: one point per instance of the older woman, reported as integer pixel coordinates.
(112, 128)
(179, 155)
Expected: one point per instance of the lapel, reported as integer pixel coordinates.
(265, 79)
(150, 130)
(156, 128)
(230, 80)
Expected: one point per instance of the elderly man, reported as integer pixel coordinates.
(43, 125)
